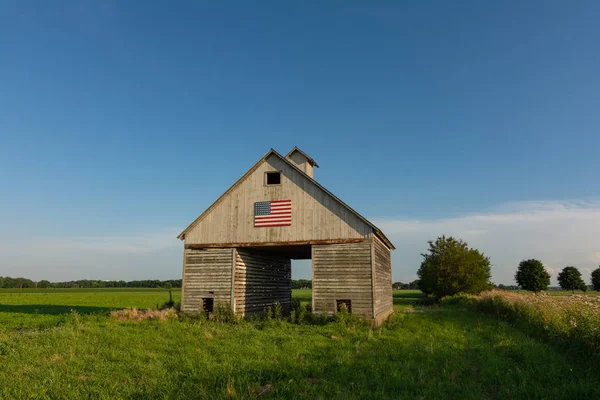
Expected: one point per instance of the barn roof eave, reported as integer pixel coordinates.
(182, 234)
(376, 230)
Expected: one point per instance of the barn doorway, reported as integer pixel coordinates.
(302, 281)
(263, 276)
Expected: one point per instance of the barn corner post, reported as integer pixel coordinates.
(382, 280)
(181, 303)
(232, 295)
(373, 272)
(312, 279)
(239, 250)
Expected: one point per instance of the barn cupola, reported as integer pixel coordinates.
(301, 160)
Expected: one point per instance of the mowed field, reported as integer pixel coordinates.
(447, 352)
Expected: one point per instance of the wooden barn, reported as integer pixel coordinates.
(239, 251)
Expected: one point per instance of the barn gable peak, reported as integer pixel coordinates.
(302, 160)
(296, 152)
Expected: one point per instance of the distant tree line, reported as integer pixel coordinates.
(507, 287)
(301, 284)
(24, 283)
(532, 275)
(20, 283)
(414, 285)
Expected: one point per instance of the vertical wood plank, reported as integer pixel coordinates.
(232, 299)
(373, 277)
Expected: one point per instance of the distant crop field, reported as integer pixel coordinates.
(48, 351)
(590, 293)
(37, 308)
(569, 293)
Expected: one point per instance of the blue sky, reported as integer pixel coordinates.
(121, 122)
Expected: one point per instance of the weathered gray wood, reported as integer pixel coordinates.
(261, 279)
(382, 265)
(342, 272)
(316, 215)
(206, 271)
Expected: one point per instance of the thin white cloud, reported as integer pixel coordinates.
(129, 257)
(558, 233)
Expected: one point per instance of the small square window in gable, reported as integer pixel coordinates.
(273, 178)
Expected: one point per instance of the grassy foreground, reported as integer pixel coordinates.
(434, 353)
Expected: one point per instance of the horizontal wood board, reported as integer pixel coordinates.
(342, 272)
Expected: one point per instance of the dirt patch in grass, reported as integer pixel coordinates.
(137, 315)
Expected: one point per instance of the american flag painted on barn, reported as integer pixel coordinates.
(272, 213)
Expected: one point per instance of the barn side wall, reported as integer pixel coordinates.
(260, 280)
(342, 272)
(206, 274)
(382, 273)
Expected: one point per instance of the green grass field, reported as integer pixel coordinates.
(39, 308)
(421, 352)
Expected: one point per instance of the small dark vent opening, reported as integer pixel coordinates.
(208, 304)
(344, 305)
(273, 178)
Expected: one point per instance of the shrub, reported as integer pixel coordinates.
(224, 313)
(452, 267)
(531, 275)
(346, 319)
(300, 313)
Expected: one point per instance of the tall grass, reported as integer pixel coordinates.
(572, 322)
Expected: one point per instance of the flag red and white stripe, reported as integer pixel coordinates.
(272, 213)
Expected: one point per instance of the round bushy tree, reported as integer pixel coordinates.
(451, 267)
(596, 279)
(531, 275)
(570, 279)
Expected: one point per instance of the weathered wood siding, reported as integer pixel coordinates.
(302, 162)
(340, 272)
(260, 280)
(315, 214)
(382, 265)
(206, 273)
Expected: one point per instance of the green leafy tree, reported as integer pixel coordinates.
(570, 279)
(596, 279)
(44, 284)
(531, 275)
(451, 267)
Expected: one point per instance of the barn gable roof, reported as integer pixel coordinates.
(271, 152)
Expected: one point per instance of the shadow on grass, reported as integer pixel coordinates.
(407, 298)
(303, 298)
(50, 309)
